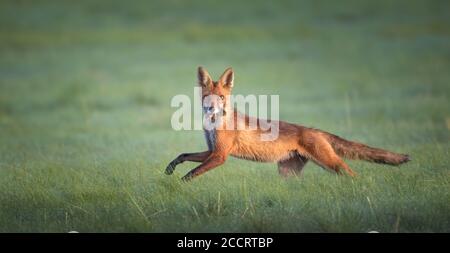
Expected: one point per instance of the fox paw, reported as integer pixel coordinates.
(170, 168)
(188, 177)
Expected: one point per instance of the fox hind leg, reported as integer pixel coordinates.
(292, 166)
(334, 163)
(347, 168)
(324, 155)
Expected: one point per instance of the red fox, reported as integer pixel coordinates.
(292, 149)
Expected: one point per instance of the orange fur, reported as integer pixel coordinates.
(294, 146)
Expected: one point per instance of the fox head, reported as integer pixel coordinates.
(215, 94)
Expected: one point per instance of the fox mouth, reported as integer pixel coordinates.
(214, 114)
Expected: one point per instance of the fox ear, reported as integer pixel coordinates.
(204, 79)
(227, 78)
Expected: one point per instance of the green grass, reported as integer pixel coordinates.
(85, 136)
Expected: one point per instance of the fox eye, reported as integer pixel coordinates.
(222, 97)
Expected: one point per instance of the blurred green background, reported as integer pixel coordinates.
(85, 135)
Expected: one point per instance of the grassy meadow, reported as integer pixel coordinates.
(85, 134)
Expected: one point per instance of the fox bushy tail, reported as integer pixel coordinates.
(355, 150)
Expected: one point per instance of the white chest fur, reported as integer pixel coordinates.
(210, 136)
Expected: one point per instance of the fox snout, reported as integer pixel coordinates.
(212, 104)
(210, 109)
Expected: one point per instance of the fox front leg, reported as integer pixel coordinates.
(213, 161)
(192, 157)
